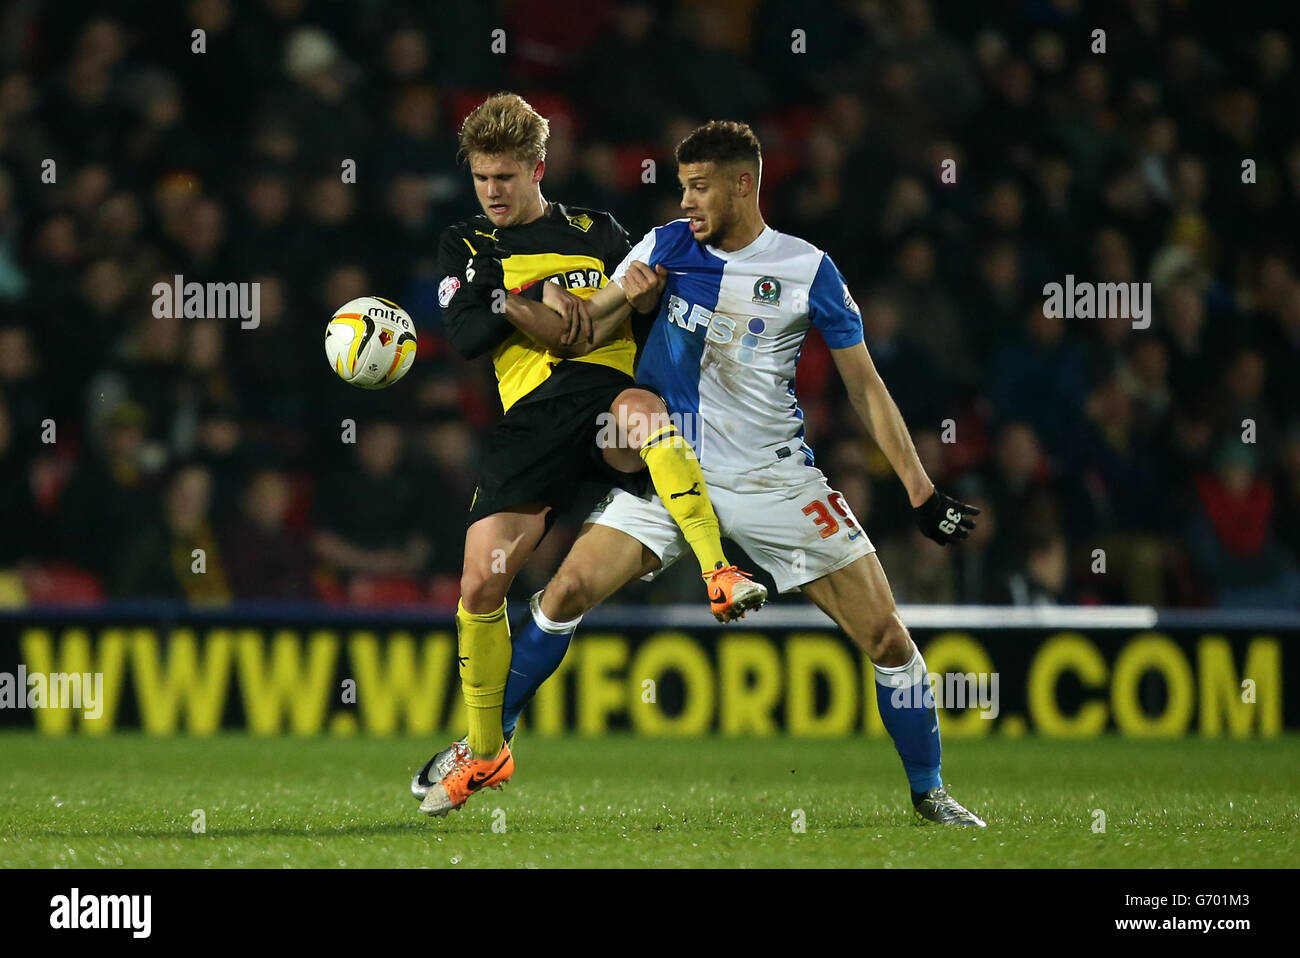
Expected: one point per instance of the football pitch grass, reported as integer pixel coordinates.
(617, 801)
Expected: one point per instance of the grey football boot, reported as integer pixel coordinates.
(436, 768)
(936, 805)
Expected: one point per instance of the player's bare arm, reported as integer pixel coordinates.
(639, 288)
(638, 291)
(642, 286)
(569, 325)
(558, 322)
(562, 322)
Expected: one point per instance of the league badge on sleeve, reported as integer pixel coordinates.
(848, 301)
(447, 289)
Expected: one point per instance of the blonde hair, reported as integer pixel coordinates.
(505, 124)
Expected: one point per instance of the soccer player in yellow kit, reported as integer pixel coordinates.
(514, 283)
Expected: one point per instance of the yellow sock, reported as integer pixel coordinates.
(677, 478)
(484, 645)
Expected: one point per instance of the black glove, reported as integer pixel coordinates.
(943, 519)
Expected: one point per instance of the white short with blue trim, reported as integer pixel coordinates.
(791, 522)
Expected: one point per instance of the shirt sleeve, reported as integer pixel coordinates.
(472, 325)
(831, 307)
(617, 246)
(642, 251)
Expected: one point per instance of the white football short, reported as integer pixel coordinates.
(794, 525)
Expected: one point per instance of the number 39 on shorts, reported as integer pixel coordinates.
(825, 519)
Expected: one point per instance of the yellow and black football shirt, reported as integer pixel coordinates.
(575, 247)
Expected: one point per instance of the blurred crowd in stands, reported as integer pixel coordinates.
(1112, 464)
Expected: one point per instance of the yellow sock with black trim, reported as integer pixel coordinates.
(678, 479)
(483, 642)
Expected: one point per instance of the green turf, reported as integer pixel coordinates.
(127, 801)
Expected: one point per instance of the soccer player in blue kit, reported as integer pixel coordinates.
(735, 299)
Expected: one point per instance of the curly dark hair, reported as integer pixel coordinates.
(720, 141)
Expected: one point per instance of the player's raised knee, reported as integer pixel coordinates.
(640, 414)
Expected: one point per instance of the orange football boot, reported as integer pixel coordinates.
(732, 594)
(468, 775)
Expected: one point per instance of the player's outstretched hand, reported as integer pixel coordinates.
(573, 309)
(943, 519)
(643, 286)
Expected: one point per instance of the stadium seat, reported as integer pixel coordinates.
(61, 584)
(385, 591)
(463, 102)
(628, 160)
(557, 109)
(974, 444)
(783, 155)
(444, 592)
(816, 368)
(301, 488)
(328, 589)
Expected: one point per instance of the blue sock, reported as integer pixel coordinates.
(907, 709)
(537, 650)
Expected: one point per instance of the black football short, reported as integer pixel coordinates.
(544, 450)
